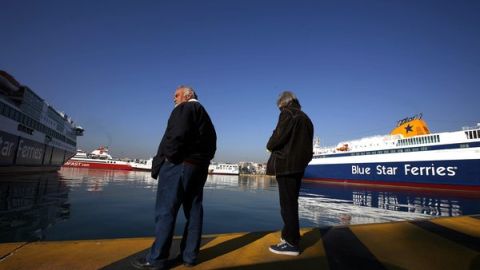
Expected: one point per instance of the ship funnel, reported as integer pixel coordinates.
(411, 126)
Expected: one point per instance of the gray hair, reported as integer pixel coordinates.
(187, 90)
(287, 98)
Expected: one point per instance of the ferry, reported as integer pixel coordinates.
(224, 168)
(409, 156)
(142, 165)
(34, 136)
(97, 159)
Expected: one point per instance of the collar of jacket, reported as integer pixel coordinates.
(291, 106)
(190, 100)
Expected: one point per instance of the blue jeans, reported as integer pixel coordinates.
(178, 184)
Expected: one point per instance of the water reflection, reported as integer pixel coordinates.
(95, 180)
(79, 203)
(241, 183)
(31, 204)
(326, 204)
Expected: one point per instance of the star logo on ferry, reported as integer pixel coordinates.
(409, 128)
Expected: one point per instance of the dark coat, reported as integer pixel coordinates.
(190, 137)
(291, 143)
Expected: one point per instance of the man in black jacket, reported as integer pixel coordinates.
(291, 145)
(181, 167)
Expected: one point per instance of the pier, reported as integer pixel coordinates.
(438, 243)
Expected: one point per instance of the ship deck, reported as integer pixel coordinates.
(439, 243)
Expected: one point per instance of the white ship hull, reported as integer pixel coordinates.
(448, 160)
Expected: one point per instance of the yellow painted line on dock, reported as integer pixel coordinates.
(87, 254)
(406, 246)
(255, 253)
(467, 225)
(443, 243)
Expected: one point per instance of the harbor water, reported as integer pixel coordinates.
(78, 203)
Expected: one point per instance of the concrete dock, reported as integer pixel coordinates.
(439, 243)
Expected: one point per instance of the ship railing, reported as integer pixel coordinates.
(472, 127)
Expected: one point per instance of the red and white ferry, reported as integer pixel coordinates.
(97, 159)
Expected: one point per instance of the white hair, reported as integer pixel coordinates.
(286, 98)
(188, 91)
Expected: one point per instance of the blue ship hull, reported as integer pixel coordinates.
(451, 174)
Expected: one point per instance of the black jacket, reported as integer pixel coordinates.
(190, 136)
(291, 143)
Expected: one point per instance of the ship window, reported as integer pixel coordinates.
(11, 113)
(475, 134)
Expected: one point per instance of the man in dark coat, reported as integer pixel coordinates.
(291, 147)
(181, 167)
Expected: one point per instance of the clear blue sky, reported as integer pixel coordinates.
(356, 66)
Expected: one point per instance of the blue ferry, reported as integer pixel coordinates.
(409, 156)
(34, 136)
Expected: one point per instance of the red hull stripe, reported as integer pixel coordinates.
(406, 184)
(93, 165)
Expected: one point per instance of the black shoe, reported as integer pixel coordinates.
(142, 263)
(285, 248)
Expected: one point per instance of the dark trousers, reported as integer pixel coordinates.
(178, 184)
(289, 189)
